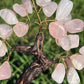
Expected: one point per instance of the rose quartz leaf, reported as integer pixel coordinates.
(5, 31)
(3, 49)
(64, 20)
(20, 9)
(78, 61)
(42, 3)
(64, 9)
(50, 9)
(28, 5)
(21, 29)
(81, 50)
(65, 43)
(74, 26)
(8, 16)
(57, 30)
(74, 40)
(5, 71)
(72, 76)
(59, 73)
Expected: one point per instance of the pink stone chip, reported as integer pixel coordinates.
(65, 43)
(77, 61)
(59, 73)
(57, 30)
(5, 71)
(21, 29)
(50, 9)
(81, 50)
(20, 9)
(42, 3)
(64, 9)
(74, 26)
(3, 49)
(72, 76)
(8, 16)
(69, 42)
(5, 31)
(74, 40)
(28, 5)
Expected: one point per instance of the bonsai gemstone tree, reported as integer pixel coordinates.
(62, 29)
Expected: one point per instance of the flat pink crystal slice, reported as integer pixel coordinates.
(3, 49)
(59, 73)
(72, 76)
(74, 26)
(50, 9)
(65, 43)
(5, 71)
(57, 30)
(78, 61)
(28, 5)
(21, 29)
(8, 16)
(42, 3)
(20, 9)
(64, 9)
(5, 31)
(81, 50)
(74, 40)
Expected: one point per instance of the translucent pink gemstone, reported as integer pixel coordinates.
(74, 40)
(81, 50)
(72, 76)
(21, 29)
(42, 3)
(3, 49)
(64, 20)
(8, 16)
(28, 5)
(77, 61)
(65, 43)
(57, 30)
(74, 26)
(50, 9)
(64, 9)
(5, 31)
(69, 42)
(59, 73)
(5, 71)
(20, 9)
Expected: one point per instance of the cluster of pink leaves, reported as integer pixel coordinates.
(20, 29)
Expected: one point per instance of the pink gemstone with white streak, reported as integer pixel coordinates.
(57, 30)
(50, 9)
(59, 73)
(5, 71)
(77, 61)
(20, 9)
(21, 29)
(81, 50)
(74, 26)
(3, 49)
(8, 16)
(28, 5)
